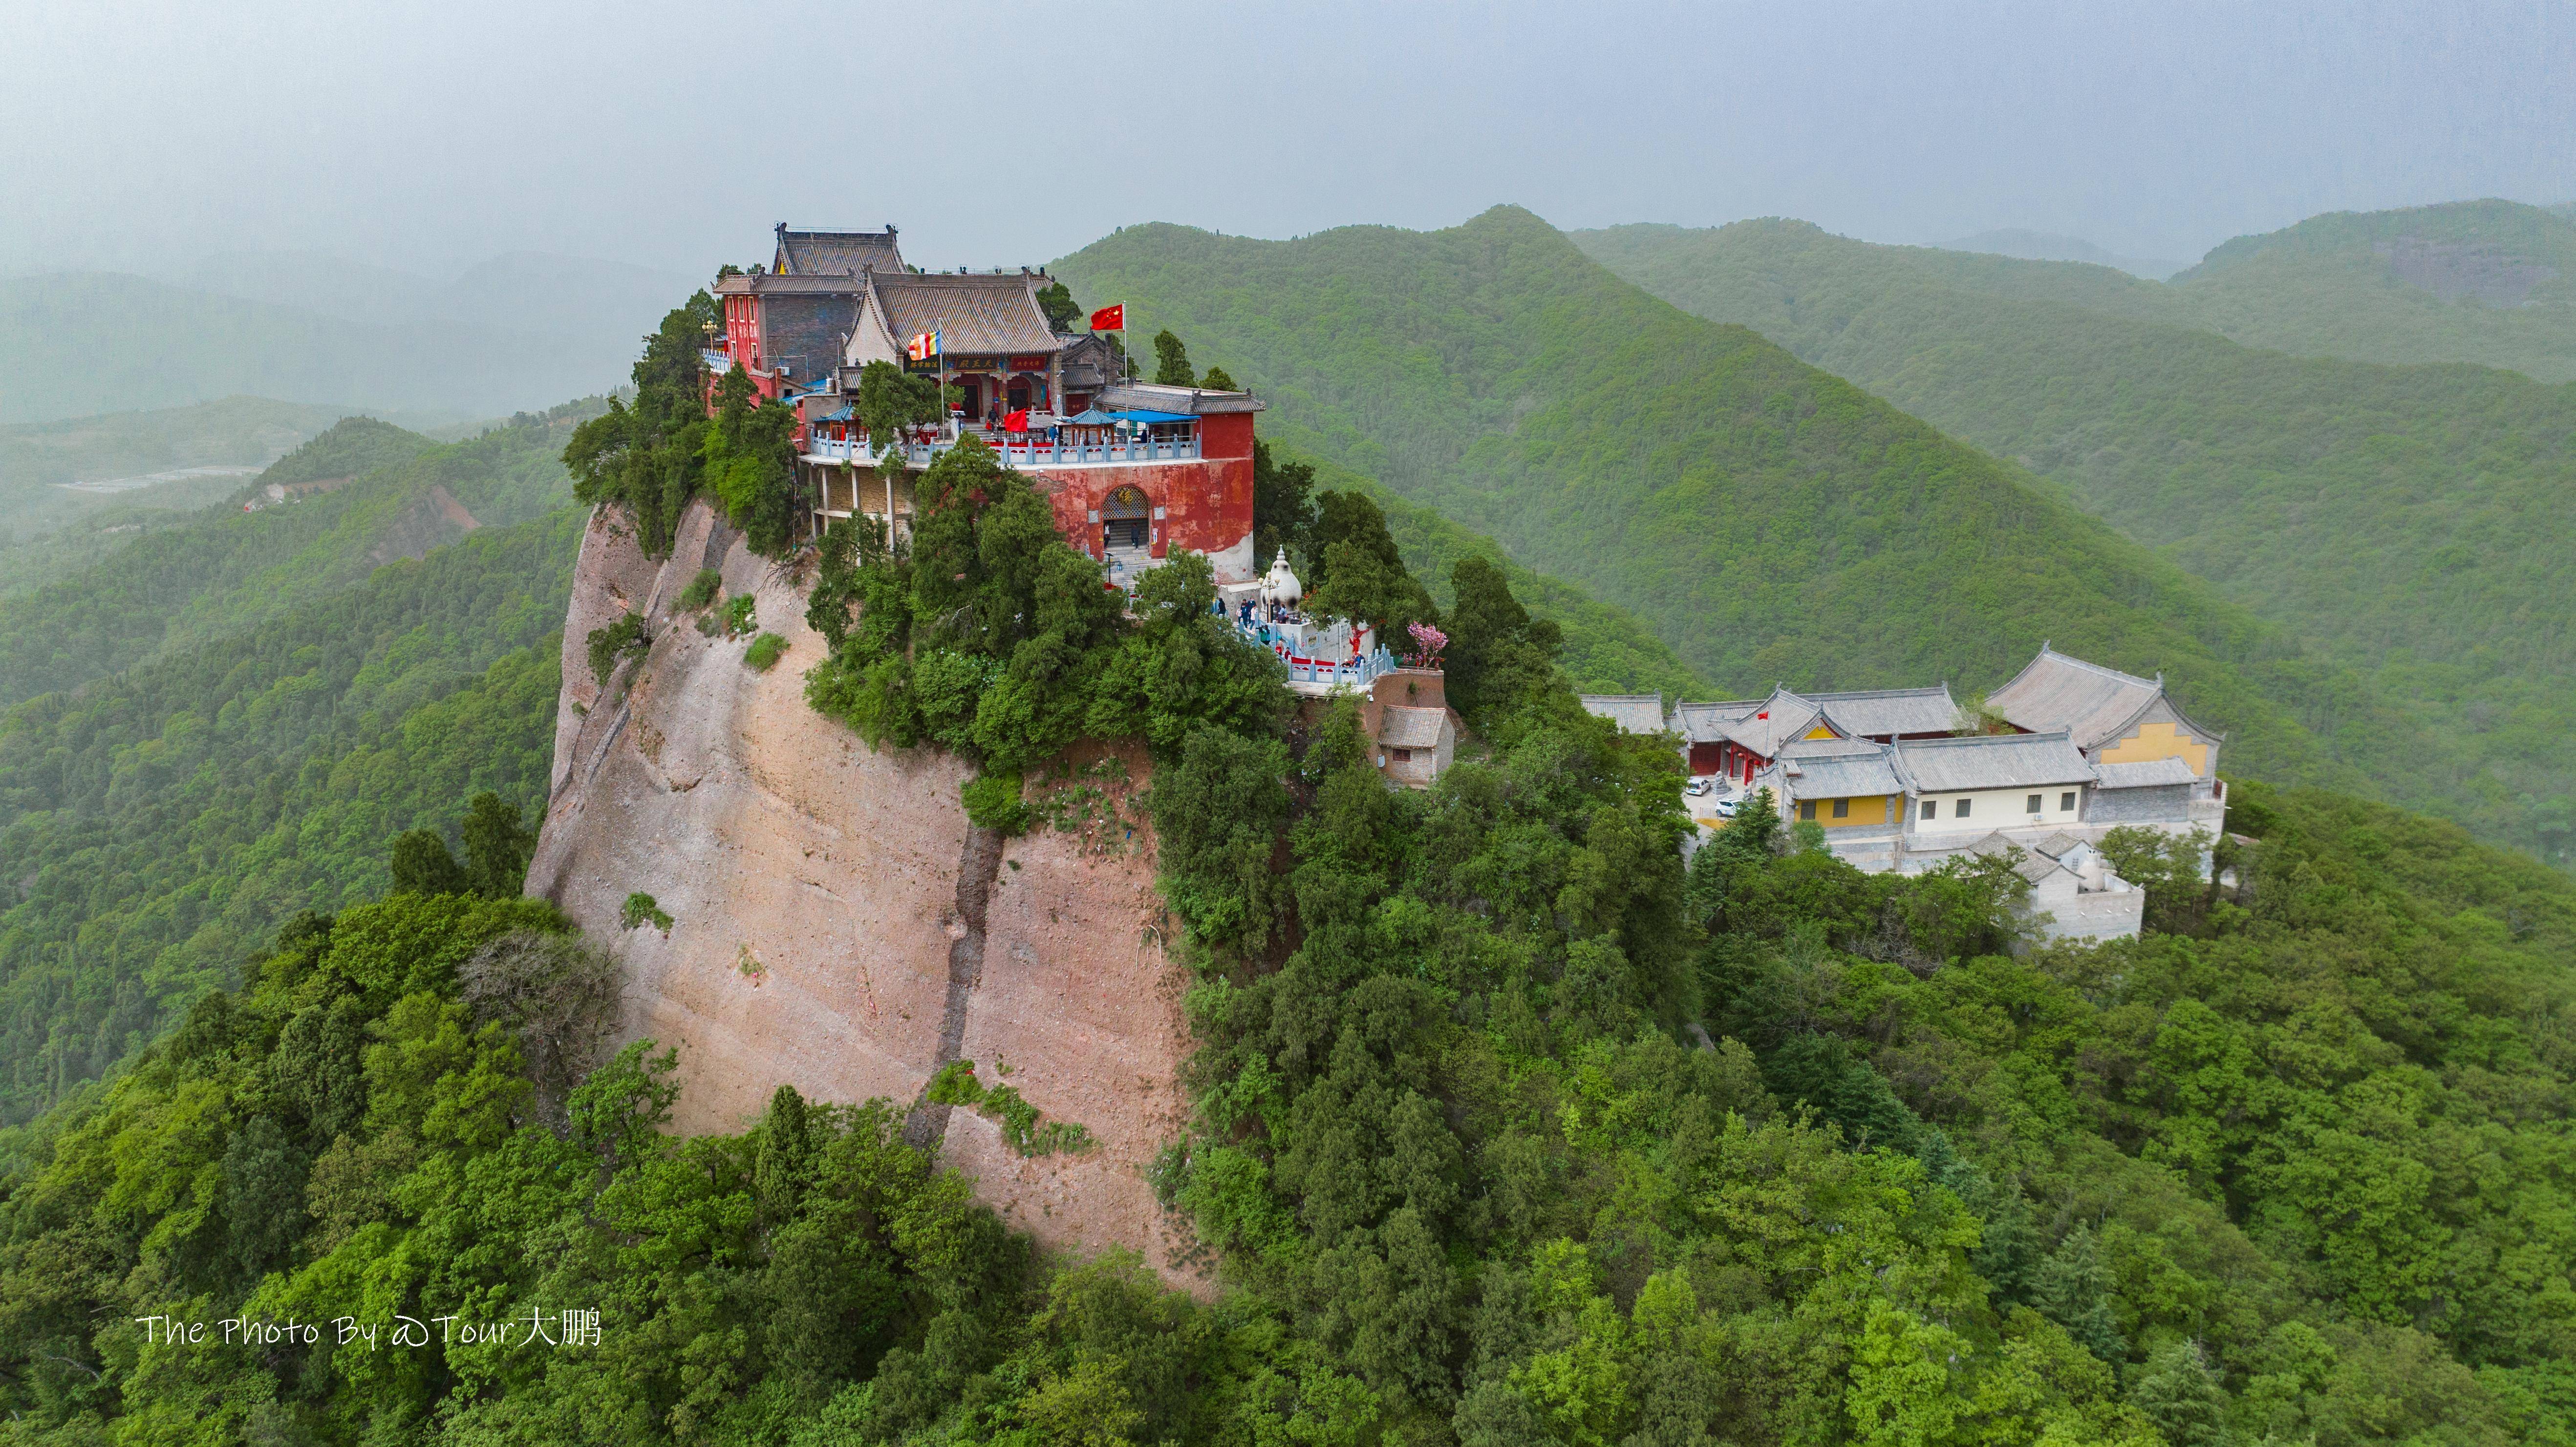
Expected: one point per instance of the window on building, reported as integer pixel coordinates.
(1806, 808)
(2033, 806)
(2066, 802)
(1404, 756)
(1842, 808)
(1931, 808)
(1961, 811)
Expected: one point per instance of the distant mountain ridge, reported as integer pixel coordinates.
(2409, 522)
(2047, 246)
(1768, 521)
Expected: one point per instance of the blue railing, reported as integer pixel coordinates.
(1032, 452)
(1319, 675)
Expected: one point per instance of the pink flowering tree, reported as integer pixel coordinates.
(1427, 643)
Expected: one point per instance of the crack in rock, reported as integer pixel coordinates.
(977, 865)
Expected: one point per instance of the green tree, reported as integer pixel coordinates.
(750, 462)
(2182, 1396)
(1217, 381)
(498, 846)
(1360, 572)
(1283, 506)
(1056, 300)
(422, 864)
(647, 456)
(1498, 657)
(1172, 361)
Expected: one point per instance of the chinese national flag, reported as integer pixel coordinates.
(1110, 318)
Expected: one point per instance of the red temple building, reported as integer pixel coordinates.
(1133, 470)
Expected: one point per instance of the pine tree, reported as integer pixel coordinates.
(1217, 381)
(497, 847)
(2073, 1289)
(2181, 1395)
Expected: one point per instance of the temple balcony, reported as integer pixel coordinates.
(1021, 449)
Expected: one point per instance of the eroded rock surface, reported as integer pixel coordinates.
(813, 887)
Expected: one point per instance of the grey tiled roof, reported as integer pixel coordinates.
(975, 314)
(1634, 713)
(808, 253)
(2091, 702)
(1884, 712)
(1710, 723)
(1196, 401)
(2056, 845)
(2148, 774)
(1405, 727)
(1774, 722)
(1837, 769)
(1992, 761)
(772, 285)
(2030, 865)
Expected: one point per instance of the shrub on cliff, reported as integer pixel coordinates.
(644, 456)
(610, 643)
(993, 638)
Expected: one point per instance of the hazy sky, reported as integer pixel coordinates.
(139, 135)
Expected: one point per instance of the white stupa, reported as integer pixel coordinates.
(1280, 585)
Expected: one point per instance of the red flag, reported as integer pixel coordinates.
(1016, 421)
(1110, 318)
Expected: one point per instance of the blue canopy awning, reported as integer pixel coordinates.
(1094, 417)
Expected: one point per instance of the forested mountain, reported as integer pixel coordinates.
(234, 431)
(1507, 1127)
(49, 528)
(160, 822)
(1769, 521)
(226, 570)
(2490, 282)
(2044, 246)
(2408, 525)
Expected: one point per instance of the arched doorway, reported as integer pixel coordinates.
(1126, 520)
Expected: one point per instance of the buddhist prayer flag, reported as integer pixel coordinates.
(925, 345)
(1110, 318)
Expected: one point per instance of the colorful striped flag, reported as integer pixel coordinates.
(925, 345)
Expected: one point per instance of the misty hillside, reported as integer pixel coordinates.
(2046, 246)
(601, 304)
(2490, 282)
(2411, 523)
(224, 571)
(1769, 521)
(75, 343)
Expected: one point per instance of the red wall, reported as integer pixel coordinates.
(1207, 505)
(1227, 434)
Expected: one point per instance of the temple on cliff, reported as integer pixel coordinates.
(1133, 470)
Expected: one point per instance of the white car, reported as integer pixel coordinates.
(1726, 807)
(1697, 787)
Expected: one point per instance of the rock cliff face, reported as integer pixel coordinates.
(836, 923)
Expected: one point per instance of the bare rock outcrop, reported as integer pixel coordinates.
(828, 928)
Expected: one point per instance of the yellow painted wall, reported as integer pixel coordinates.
(2159, 741)
(1869, 811)
(1822, 731)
